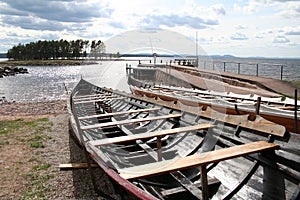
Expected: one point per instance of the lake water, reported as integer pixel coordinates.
(49, 82)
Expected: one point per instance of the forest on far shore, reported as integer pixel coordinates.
(57, 49)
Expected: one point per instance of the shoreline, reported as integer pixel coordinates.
(59, 62)
(47, 62)
(35, 110)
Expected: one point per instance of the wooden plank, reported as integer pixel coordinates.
(195, 160)
(91, 95)
(119, 113)
(139, 136)
(70, 166)
(176, 190)
(131, 121)
(266, 126)
(100, 100)
(260, 124)
(93, 98)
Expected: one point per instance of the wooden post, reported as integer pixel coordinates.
(257, 106)
(239, 68)
(224, 66)
(159, 149)
(256, 69)
(295, 113)
(281, 72)
(204, 182)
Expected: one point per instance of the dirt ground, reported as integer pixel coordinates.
(28, 172)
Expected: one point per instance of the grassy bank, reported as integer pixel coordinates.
(23, 168)
(45, 62)
(296, 83)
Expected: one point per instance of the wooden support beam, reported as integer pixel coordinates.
(94, 98)
(159, 148)
(119, 113)
(131, 121)
(99, 100)
(71, 166)
(204, 183)
(92, 95)
(167, 166)
(147, 135)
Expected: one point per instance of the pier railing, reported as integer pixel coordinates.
(269, 70)
(263, 69)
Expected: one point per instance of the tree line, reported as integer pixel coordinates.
(57, 49)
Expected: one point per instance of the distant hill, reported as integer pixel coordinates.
(3, 55)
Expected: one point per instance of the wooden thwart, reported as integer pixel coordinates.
(91, 95)
(195, 160)
(71, 166)
(95, 98)
(107, 124)
(161, 133)
(119, 113)
(100, 100)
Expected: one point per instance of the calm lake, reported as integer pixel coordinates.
(50, 82)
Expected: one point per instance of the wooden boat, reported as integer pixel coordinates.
(274, 109)
(160, 150)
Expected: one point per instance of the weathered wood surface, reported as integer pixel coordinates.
(161, 133)
(100, 100)
(119, 113)
(131, 121)
(94, 98)
(78, 97)
(195, 160)
(71, 166)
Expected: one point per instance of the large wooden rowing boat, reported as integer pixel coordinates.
(280, 110)
(159, 150)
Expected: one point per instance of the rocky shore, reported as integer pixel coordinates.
(11, 71)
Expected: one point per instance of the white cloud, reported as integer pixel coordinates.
(239, 36)
(280, 39)
(251, 7)
(219, 9)
(240, 26)
(290, 9)
(174, 20)
(260, 24)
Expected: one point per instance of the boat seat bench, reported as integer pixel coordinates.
(91, 95)
(157, 134)
(99, 100)
(119, 113)
(147, 135)
(200, 160)
(94, 98)
(131, 121)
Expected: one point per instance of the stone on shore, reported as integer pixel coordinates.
(11, 71)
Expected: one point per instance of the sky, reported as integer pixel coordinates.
(262, 28)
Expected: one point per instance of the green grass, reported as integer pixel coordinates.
(20, 127)
(37, 183)
(30, 132)
(297, 83)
